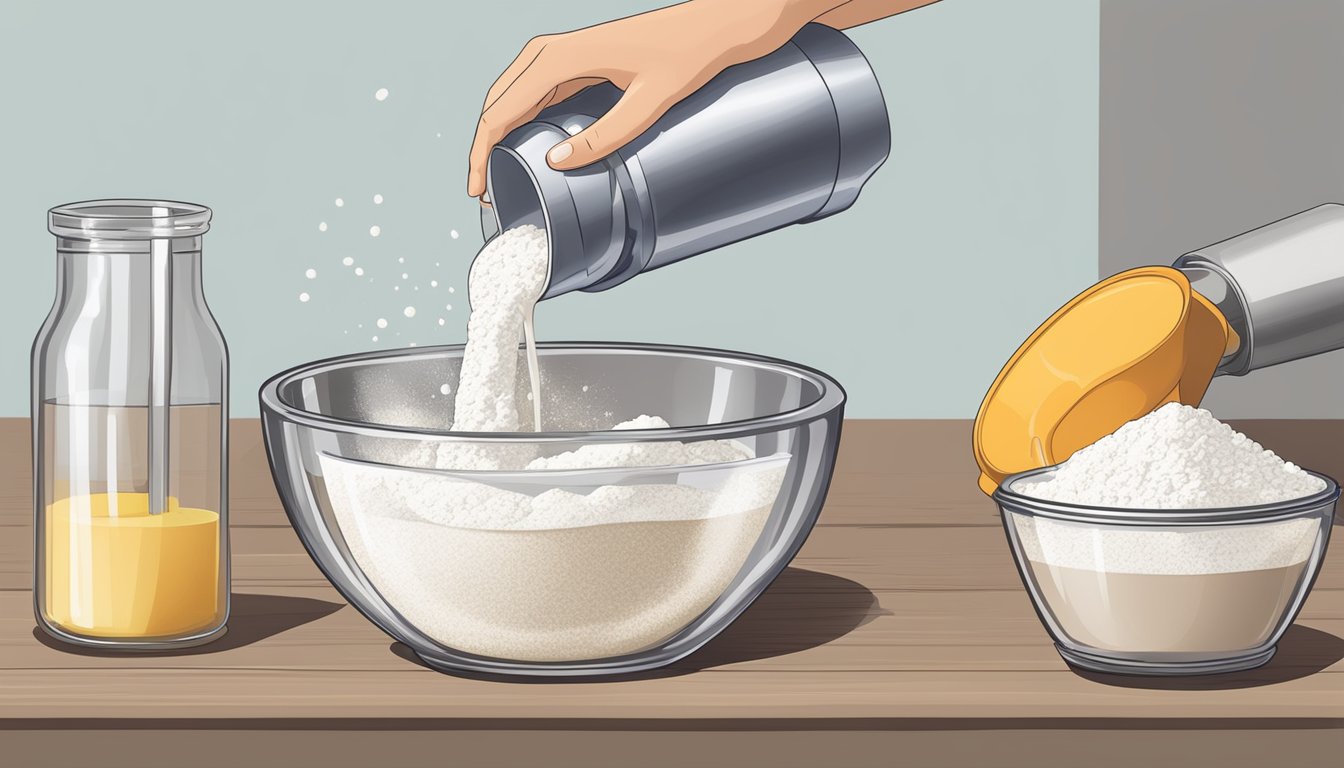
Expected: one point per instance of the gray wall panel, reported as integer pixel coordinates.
(1218, 116)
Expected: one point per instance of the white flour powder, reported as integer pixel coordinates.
(516, 564)
(1176, 457)
(1172, 552)
(646, 454)
(507, 279)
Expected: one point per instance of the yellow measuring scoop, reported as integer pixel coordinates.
(1117, 351)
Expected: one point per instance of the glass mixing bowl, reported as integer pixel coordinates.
(548, 565)
(1165, 592)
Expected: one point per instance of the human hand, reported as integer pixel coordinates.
(657, 59)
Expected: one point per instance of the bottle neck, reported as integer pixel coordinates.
(131, 328)
(93, 275)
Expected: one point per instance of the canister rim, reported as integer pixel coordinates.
(128, 219)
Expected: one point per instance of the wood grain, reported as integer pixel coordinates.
(902, 614)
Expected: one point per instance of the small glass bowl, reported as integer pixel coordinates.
(1165, 592)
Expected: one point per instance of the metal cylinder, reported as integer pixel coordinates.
(1281, 287)
(785, 139)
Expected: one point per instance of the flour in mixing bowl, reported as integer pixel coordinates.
(572, 577)
(587, 553)
(666, 454)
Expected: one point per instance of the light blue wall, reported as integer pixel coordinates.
(984, 217)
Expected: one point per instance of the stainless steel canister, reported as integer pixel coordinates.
(1281, 287)
(785, 139)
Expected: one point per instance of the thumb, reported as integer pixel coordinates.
(627, 119)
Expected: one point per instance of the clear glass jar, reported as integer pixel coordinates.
(130, 430)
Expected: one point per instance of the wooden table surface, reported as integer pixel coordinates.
(900, 635)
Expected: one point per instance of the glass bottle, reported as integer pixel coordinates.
(130, 433)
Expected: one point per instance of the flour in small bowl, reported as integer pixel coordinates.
(1203, 591)
(1176, 457)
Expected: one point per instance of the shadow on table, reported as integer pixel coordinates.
(802, 609)
(252, 618)
(1302, 651)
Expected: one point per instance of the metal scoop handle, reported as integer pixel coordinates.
(1281, 287)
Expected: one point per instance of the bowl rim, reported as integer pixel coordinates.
(832, 397)
(1011, 500)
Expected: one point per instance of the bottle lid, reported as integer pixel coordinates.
(1114, 353)
(128, 220)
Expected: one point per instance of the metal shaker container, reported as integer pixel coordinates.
(788, 138)
(1281, 287)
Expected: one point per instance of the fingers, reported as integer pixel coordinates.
(525, 57)
(506, 107)
(487, 138)
(565, 90)
(476, 161)
(638, 109)
(514, 107)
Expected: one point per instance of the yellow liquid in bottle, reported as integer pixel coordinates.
(113, 570)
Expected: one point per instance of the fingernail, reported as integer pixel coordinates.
(485, 197)
(560, 152)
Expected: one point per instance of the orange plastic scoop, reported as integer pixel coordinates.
(1117, 351)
